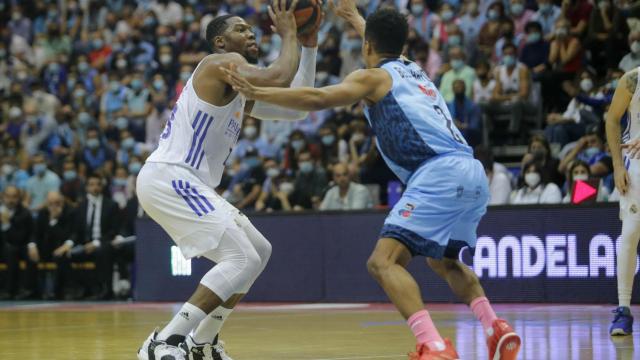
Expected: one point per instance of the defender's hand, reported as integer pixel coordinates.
(621, 177)
(345, 9)
(284, 22)
(633, 149)
(239, 83)
(310, 39)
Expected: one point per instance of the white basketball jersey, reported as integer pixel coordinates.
(200, 136)
(632, 130)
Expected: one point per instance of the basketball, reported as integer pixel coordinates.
(307, 14)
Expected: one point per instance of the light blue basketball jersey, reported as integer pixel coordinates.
(412, 123)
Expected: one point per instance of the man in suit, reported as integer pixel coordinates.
(15, 232)
(52, 241)
(96, 227)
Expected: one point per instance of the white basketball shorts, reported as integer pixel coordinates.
(630, 202)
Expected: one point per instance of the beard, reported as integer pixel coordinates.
(252, 59)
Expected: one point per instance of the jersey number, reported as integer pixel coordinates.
(454, 134)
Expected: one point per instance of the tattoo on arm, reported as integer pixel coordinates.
(632, 82)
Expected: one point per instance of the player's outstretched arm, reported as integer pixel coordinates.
(283, 69)
(348, 10)
(621, 99)
(360, 85)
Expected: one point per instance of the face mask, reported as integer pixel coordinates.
(447, 15)
(297, 144)
(250, 131)
(492, 14)
(586, 85)
(98, 44)
(128, 143)
(635, 47)
(163, 40)
(534, 37)
(509, 60)
(136, 84)
(22, 75)
(84, 118)
(591, 152)
(614, 84)
(54, 68)
(15, 112)
(71, 83)
(39, 169)
(122, 123)
(134, 168)
(306, 167)
(517, 9)
(328, 140)
(273, 172)
(251, 162)
(158, 84)
(185, 75)
(120, 182)
(454, 40)
(114, 86)
(121, 63)
(69, 175)
(545, 8)
(79, 93)
(286, 188)
(457, 64)
(165, 59)
(189, 18)
(581, 177)
(417, 9)
(83, 67)
(532, 179)
(93, 143)
(7, 169)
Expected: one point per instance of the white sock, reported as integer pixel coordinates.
(211, 325)
(184, 321)
(626, 258)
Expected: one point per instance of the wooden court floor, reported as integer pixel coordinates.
(305, 331)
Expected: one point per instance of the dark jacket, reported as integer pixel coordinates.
(49, 236)
(109, 222)
(19, 232)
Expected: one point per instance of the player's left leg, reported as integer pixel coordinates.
(205, 336)
(626, 268)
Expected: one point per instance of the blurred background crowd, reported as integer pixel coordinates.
(86, 87)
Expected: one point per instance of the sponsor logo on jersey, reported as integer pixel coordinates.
(408, 209)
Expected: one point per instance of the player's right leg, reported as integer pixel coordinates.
(387, 266)
(626, 268)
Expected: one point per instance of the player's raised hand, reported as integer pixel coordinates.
(345, 8)
(284, 21)
(633, 149)
(238, 82)
(310, 38)
(621, 177)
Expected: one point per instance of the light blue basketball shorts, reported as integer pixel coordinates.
(443, 203)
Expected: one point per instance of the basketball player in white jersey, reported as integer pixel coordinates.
(176, 185)
(626, 167)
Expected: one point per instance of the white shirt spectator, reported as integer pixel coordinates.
(169, 14)
(482, 93)
(542, 194)
(357, 197)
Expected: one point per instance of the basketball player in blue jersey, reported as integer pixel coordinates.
(176, 184)
(446, 188)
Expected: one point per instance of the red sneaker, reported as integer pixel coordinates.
(503, 342)
(424, 353)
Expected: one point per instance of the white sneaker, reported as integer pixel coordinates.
(153, 349)
(207, 351)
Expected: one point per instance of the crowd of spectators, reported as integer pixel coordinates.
(86, 87)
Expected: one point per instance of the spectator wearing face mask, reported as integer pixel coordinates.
(155, 123)
(251, 139)
(466, 114)
(602, 99)
(95, 154)
(185, 75)
(167, 12)
(11, 174)
(490, 31)
(446, 28)
(563, 128)
(577, 12)
(309, 185)
(459, 71)
(535, 51)
(345, 194)
(139, 106)
(333, 149)
(421, 19)
(128, 147)
(539, 151)
(579, 170)
(275, 190)
(484, 84)
(297, 144)
(40, 183)
(350, 51)
(536, 188)
(72, 186)
(100, 51)
(547, 15)
(598, 36)
(248, 182)
(590, 149)
(470, 24)
(507, 36)
(113, 102)
(520, 16)
(632, 59)
(37, 130)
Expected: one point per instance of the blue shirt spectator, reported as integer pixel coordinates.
(40, 183)
(466, 114)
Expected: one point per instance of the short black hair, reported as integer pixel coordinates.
(509, 45)
(217, 27)
(387, 30)
(533, 25)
